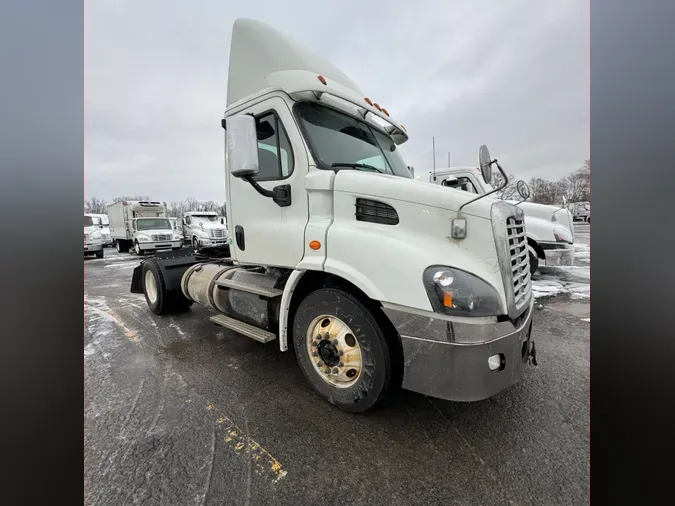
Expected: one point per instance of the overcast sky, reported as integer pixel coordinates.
(510, 74)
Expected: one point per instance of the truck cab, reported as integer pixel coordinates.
(378, 280)
(101, 220)
(550, 230)
(203, 228)
(93, 244)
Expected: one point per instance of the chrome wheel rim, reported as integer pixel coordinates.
(334, 351)
(151, 287)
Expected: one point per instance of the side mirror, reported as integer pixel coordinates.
(564, 201)
(485, 163)
(523, 190)
(242, 146)
(451, 182)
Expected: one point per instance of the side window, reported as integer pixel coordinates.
(188, 220)
(466, 185)
(275, 155)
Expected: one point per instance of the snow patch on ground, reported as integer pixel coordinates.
(586, 320)
(549, 286)
(122, 265)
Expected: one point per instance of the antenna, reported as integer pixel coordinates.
(433, 153)
(448, 160)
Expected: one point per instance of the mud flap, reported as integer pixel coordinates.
(136, 284)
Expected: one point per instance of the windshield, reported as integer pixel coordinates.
(152, 224)
(88, 222)
(199, 219)
(336, 138)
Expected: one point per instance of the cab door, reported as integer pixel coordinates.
(260, 231)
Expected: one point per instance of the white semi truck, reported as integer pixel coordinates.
(203, 228)
(141, 227)
(550, 229)
(93, 244)
(101, 220)
(377, 280)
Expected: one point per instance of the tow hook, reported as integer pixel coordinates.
(532, 355)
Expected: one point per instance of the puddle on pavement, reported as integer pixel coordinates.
(579, 309)
(177, 349)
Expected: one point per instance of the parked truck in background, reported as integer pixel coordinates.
(204, 228)
(93, 244)
(177, 228)
(101, 220)
(550, 229)
(141, 227)
(581, 211)
(378, 280)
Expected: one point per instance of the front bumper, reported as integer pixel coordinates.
(558, 254)
(448, 360)
(213, 242)
(93, 247)
(163, 245)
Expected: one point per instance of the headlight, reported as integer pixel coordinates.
(142, 238)
(176, 237)
(562, 235)
(458, 293)
(96, 235)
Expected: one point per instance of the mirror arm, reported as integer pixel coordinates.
(506, 181)
(280, 194)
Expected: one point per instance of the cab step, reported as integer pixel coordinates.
(269, 293)
(241, 327)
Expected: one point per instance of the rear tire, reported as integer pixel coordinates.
(374, 363)
(160, 300)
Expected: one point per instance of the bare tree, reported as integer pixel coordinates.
(135, 197)
(509, 192)
(95, 205)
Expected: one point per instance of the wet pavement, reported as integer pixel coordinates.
(181, 411)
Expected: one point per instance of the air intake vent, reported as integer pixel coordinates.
(373, 211)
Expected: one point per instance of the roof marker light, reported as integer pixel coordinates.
(377, 106)
(385, 111)
(322, 79)
(368, 101)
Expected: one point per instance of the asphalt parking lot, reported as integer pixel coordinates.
(181, 411)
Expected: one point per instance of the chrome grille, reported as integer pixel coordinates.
(216, 234)
(520, 260)
(161, 237)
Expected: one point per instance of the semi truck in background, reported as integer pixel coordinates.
(93, 244)
(203, 228)
(141, 227)
(176, 228)
(581, 211)
(101, 220)
(550, 229)
(375, 279)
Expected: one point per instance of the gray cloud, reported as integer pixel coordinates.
(512, 74)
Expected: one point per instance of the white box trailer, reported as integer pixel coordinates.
(141, 226)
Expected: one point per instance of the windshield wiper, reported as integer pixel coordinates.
(356, 166)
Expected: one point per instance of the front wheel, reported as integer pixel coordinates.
(342, 350)
(137, 249)
(195, 243)
(534, 261)
(99, 254)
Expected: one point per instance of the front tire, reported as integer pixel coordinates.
(342, 350)
(137, 249)
(195, 243)
(534, 261)
(99, 254)
(161, 300)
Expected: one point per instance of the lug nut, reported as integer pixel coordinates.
(335, 371)
(335, 342)
(340, 353)
(341, 364)
(315, 354)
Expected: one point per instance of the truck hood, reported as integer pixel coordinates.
(213, 226)
(413, 191)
